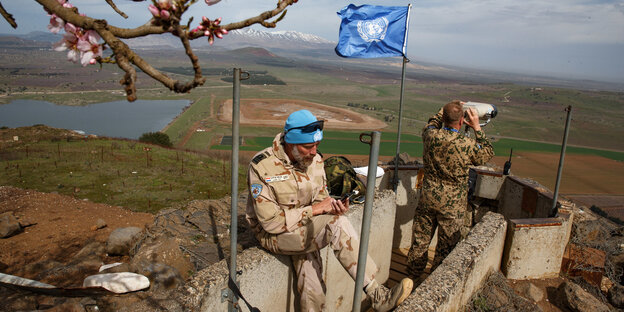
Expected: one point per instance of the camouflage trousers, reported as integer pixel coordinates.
(304, 245)
(452, 227)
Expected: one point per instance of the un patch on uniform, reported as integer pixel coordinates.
(256, 189)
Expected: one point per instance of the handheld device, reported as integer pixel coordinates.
(507, 166)
(349, 195)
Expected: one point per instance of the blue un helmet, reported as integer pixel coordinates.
(302, 127)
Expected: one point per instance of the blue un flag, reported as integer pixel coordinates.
(370, 31)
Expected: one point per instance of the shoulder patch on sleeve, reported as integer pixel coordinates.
(256, 189)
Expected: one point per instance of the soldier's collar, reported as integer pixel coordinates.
(281, 151)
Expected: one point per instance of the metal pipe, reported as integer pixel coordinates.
(398, 148)
(233, 302)
(366, 217)
(553, 210)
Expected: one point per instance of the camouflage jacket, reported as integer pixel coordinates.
(447, 156)
(281, 196)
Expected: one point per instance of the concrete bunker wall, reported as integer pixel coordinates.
(266, 280)
(505, 240)
(463, 271)
(497, 242)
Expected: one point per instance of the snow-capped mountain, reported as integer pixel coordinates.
(293, 36)
(239, 38)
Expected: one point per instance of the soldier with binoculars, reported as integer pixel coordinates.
(447, 155)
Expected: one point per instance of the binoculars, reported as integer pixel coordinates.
(485, 111)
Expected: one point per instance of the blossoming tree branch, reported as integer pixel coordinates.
(85, 38)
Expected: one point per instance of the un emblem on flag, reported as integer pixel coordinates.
(373, 30)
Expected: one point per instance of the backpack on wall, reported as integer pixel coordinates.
(341, 178)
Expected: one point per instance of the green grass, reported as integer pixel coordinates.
(117, 172)
(347, 143)
(199, 110)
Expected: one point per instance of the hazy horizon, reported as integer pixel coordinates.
(560, 38)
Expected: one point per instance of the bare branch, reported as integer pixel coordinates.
(198, 80)
(112, 4)
(129, 78)
(8, 17)
(86, 22)
(126, 58)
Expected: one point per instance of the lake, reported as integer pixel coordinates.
(120, 119)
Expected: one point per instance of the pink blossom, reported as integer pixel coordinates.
(211, 2)
(56, 24)
(154, 10)
(166, 4)
(68, 42)
(160, 12)
(73, 56)
(211, 29)
(71, 28)
(89, 47)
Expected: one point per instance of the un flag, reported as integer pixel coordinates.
(369, 31)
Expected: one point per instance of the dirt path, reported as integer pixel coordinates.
(61, 226)
(196, 125)
(273, 112)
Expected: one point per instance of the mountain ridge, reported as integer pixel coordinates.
(307, 47)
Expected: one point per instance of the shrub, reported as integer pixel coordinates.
(158, 138)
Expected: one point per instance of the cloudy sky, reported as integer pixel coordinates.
(564, 38)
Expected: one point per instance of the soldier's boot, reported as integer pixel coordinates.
(384, 299)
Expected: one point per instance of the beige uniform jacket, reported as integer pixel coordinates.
(281, 196)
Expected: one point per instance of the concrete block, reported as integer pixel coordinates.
(465, 269)
(534, 247)
(340, 285)
(586, 262)
(488, 183)
(523, 198)
(407, 194)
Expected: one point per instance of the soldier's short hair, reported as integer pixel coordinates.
(452, 112)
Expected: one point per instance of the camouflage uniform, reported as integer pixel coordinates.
(443, 199)
(279, 210)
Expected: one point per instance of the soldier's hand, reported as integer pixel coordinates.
(323, 207)
(472, 119)
(340, 207)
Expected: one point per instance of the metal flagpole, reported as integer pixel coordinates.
(398, 148)
(405, 61)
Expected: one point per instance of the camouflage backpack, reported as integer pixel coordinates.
(341, 177)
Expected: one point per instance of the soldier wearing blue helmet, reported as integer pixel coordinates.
(291, 213)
